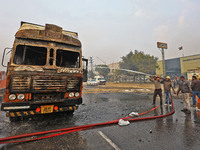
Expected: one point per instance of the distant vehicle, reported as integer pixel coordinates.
(2, 81)
(92, 82)
(2, 84)
(100, 80)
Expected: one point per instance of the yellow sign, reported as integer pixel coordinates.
(162, 45)
(46, 109)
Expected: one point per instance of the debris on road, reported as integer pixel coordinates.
(134, 114)
(123, 122)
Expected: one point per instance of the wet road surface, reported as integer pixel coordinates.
(179, 131)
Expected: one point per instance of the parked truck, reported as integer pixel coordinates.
(44, 73)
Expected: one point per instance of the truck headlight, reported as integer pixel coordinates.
(21, 96)
(71, 94)
(12, 97)
(77, 94)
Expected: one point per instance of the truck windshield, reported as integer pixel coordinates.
(30, 55)
(67, 59)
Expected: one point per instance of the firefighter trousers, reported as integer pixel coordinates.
(186, 100)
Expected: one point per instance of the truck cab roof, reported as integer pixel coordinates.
(49, 32)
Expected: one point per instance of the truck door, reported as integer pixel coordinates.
(85, 69)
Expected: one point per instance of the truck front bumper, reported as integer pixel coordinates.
(29, 108)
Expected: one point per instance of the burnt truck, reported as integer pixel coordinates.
(45, 71)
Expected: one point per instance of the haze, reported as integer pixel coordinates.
(109, 29)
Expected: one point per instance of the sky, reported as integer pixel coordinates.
(110, 29)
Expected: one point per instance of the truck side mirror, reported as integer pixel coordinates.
(8, 50)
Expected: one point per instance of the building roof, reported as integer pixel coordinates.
(183, 57)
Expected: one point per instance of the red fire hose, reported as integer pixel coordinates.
(78, 128)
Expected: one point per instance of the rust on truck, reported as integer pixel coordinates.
(45, 73)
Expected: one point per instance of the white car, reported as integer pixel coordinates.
(92, 82)
(100, 80)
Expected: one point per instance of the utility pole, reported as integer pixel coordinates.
(182, 62)
(181, 49)
(163, 46)
(91, 63)
(163, 61)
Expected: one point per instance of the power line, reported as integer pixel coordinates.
(101, 60)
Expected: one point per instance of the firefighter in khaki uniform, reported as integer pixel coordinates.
(184, 87)
(158, 90)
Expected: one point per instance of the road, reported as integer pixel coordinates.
(179, 131)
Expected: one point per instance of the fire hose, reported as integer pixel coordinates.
(78, 128)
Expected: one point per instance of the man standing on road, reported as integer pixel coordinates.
(158, 90)
(184, 87)
(195, 89)
(167, 89)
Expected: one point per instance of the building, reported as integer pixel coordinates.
(114, 65)
(179, 66)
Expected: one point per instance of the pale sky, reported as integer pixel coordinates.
(109, 29)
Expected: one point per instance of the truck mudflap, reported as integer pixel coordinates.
(24, 113)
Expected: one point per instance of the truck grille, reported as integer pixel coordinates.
(20, 83)
(48, 83)
(73, 84)
(36, 83)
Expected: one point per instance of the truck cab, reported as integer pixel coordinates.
(44, 73)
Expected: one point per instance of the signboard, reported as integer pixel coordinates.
(162, 45)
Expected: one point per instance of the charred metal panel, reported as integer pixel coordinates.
(28, 68)
(39, 83)
(49, 33)
(73, 84)
(47, 96)
(20, 83)
(48, 83)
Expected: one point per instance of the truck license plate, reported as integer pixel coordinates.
(47, 109)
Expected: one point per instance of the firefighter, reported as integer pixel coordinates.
(167, 89)
(184, 87)
(195, 89)
(158, 90)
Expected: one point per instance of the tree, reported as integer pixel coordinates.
(139, 61)
(102, 70)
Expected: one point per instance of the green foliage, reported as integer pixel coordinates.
(102, 71)
(139, 61)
